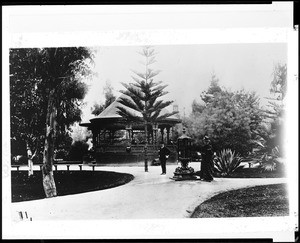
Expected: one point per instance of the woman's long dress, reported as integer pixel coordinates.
(206, 164)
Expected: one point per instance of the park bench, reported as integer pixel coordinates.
(16, 166)
(80, 166)
(67, 164)
(93, 165)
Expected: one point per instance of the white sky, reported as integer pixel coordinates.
(246, 42)
(187, 69)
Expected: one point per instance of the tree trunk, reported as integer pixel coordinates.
(47, 169)
(30, 163)
(146, 147)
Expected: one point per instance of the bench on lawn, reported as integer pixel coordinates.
(55, 166)
(80, 166)
(16, 166)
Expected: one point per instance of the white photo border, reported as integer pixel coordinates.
(37, 26)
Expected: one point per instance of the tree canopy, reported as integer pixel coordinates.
(46, 92)
(271, 134)
(229, 118)
(205, 96)
(109, 98)
(143, 95)
(33, 73)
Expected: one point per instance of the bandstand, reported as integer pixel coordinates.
(116, 140)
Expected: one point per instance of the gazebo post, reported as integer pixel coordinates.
(168, 135)
(112, 135)
(131, 135)
(128, 128)
(94, 132)
(162, 134)
(154, 129)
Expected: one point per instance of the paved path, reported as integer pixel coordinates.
(150, 195)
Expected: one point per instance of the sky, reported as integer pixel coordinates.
(187, 70)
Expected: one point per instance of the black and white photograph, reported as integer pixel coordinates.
(150, 122)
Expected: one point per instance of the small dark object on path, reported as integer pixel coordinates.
(155, 163)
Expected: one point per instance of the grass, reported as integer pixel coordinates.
(258, 201)
(256, 173)
(67, 182)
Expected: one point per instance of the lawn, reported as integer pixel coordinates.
(258, 201)
(67, 182)
(280, 172)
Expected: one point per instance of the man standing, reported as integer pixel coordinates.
(163, 156)
(206, 163)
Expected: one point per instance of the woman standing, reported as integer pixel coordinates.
(206, 163)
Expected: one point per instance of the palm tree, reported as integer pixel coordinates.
(143, 97)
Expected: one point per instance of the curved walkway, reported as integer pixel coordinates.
(150, 195)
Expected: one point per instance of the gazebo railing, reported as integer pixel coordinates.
(129, 149)
(122, 153)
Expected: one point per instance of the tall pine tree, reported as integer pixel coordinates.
(143, 96)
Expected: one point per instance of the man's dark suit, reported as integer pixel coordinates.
(163, 153)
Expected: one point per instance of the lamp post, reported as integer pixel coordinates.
(184, 172)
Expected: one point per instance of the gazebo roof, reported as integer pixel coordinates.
(111, 114)
(111, 110)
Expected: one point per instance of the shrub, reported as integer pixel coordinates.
(78, 150)
(267, 163)
(61, 154)
(270, 161)
(226, 162)
(20, 159)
